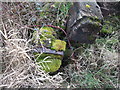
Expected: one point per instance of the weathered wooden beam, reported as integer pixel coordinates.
(84, 22)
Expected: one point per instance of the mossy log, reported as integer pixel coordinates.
(84, 22)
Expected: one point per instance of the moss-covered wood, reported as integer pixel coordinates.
(49, 51)
(84, 22)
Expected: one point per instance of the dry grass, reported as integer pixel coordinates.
(97, 66)
(20, 68)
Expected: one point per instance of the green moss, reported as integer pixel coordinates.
(107, 29)
(47, 32)
(49, 62)
(44, 35)
(58, 45)
(50, 65)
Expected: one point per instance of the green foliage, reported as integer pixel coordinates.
(63, 8)
(62, 13)
(93, 79)
(107, 29)
(55, 13)
(87, 80)
(109, 43)
(110, 25)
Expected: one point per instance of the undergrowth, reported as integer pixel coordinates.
(96, 65)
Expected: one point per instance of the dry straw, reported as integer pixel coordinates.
(20, 69)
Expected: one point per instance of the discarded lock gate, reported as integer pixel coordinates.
(48, 49)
